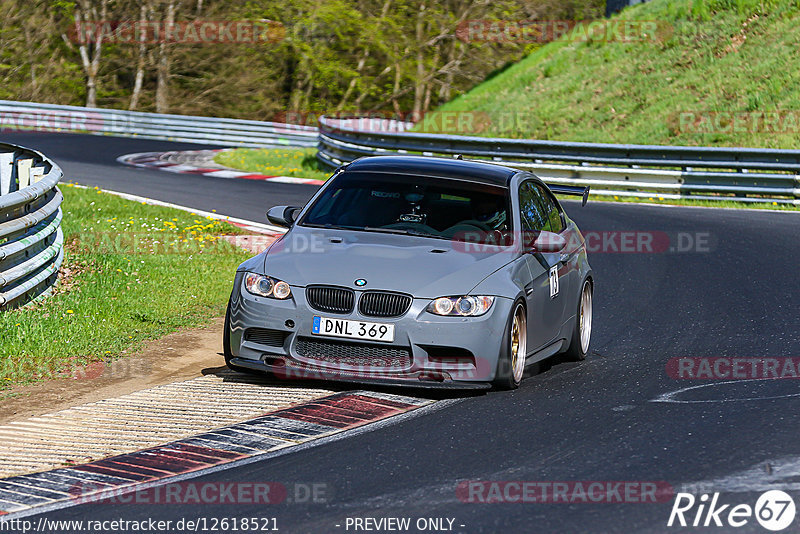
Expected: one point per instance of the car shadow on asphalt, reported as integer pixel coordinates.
(423, 392)
(542, 368)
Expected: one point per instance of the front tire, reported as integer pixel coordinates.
(582, 332)
(226, 346)
(511, 365)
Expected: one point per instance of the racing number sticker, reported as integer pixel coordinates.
(553, 281)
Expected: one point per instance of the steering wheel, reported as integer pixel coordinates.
(477, 224)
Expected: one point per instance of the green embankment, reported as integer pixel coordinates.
(713, 72)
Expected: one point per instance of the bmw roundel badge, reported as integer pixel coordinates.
(361, 282)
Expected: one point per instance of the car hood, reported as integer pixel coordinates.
(422, 267)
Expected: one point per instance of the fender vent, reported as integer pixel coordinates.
(265, 336)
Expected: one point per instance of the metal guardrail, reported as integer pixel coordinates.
(703, 173)
(31, 241)
(115, 122)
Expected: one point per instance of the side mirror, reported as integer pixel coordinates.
(548, 242)
(282, 216)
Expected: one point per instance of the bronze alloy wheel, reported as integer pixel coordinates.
(519, 343)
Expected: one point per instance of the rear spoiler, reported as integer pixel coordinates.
(575, 190)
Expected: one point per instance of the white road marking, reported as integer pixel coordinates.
(671, 396)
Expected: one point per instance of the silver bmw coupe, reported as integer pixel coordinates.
(418, 271)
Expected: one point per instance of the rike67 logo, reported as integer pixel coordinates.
(774, 510)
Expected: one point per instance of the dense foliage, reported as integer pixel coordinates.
(323, 55)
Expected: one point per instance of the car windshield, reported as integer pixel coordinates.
(413, 205)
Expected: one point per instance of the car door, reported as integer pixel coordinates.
(543, 292)
(566, 260)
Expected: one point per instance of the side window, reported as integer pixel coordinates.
(532, 213)
(551, 210)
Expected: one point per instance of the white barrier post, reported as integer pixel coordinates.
(24, 172)
(37, 173)
(6, 172)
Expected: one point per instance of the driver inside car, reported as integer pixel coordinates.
(487, 211)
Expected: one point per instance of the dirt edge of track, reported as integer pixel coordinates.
(182, 355)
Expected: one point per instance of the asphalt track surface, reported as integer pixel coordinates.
(91, 160)
(593, 421)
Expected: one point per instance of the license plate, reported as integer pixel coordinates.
(326, 326)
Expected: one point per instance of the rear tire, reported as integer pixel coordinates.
(511, 364)
(582, 332)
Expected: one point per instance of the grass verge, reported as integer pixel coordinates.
(296, 162)
(132, 272)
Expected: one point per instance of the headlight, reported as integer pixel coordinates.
(264, 286)
(281, 290)
(467, 306)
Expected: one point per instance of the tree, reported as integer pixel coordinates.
(91, 23)
(163, 69)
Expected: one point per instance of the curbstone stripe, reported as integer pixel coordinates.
(160, 161)
(282, 428)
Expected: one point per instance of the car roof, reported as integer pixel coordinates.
(486, 173)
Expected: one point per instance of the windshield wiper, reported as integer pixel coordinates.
(400, 231)
(386, 230)
(397, 231)
(329, 226)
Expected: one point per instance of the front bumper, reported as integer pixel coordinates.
(448, 352)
